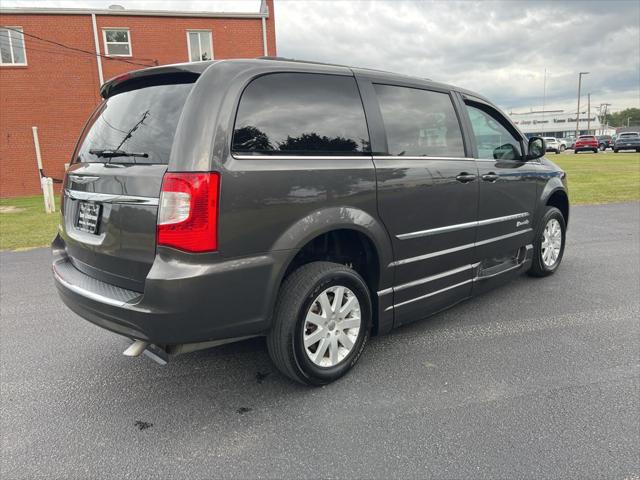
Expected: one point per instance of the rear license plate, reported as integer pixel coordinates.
(88, 217)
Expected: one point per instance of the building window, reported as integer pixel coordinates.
(200, 45)
(117, 42)
(12, 51)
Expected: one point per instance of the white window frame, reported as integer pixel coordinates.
(24, 48)
(200, 44)
(106, 44)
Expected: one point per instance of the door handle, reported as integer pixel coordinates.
(465, 177)
(490, 177)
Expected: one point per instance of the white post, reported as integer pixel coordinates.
(45, 183)
(94, 26)
(265, 50)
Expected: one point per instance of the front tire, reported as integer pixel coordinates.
(322, 322)
(615, 151)
(548, 246)
(562, 148)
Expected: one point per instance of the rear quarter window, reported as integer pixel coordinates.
(301, 114)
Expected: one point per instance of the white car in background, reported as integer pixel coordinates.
(554, 145)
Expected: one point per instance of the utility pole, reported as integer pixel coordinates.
(588, 114)
(578, 113)
(544, 95)
(604, 118)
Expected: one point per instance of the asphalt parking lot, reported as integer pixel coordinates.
(538, 379)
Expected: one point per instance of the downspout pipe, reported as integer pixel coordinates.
(264, 10)
(97, 43)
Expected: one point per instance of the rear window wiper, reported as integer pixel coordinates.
(116, 153)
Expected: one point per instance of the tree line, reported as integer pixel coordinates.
(628, 116)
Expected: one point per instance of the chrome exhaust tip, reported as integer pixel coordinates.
(136, 348)
(155, 353)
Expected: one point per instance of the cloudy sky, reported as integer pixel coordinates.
(500, 49)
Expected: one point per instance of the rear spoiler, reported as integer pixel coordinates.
(168, 74)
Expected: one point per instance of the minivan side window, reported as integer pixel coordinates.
(494, 141)
(419, 122)
(301, 114)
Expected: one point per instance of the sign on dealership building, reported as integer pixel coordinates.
(558, 123)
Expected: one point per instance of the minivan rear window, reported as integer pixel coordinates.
(301, 114)
(135, 126)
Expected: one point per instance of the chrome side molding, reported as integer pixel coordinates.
(431, 294)
(460, 226)
(476, 278)
(457, 249)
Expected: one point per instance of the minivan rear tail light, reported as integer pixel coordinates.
(188, 212)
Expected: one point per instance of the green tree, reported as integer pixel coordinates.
(619, 119)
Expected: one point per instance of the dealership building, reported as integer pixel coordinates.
(53, 61)
(558, 123)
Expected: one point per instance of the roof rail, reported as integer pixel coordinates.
(295, 60)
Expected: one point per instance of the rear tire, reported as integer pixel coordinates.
(615, 151)
(308, 310)
(562, 148)
(547, 252)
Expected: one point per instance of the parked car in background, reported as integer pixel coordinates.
(604, 142)
(569, 142)
(627, 141)
(586, 143)
(554, 145)
(286, 199)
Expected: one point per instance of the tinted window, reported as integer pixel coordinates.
(139, 121)
(493, 139)
(299, 113)
(419, 122)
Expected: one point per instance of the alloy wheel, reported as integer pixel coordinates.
(331, 326)
(551, 242)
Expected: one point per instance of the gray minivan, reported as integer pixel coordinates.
(313, 204)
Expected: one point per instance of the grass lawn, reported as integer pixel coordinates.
(593, 178)
(602, 177)
(24, 224)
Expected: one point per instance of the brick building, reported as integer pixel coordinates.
(53, 62)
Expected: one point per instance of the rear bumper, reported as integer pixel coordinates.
(182, 302)
(586, 148)
(627, 147)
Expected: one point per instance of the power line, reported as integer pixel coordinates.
(53, 52)
(78, 49)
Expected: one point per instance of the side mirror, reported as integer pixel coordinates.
(536, 148)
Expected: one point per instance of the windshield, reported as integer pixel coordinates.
(137, 126)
